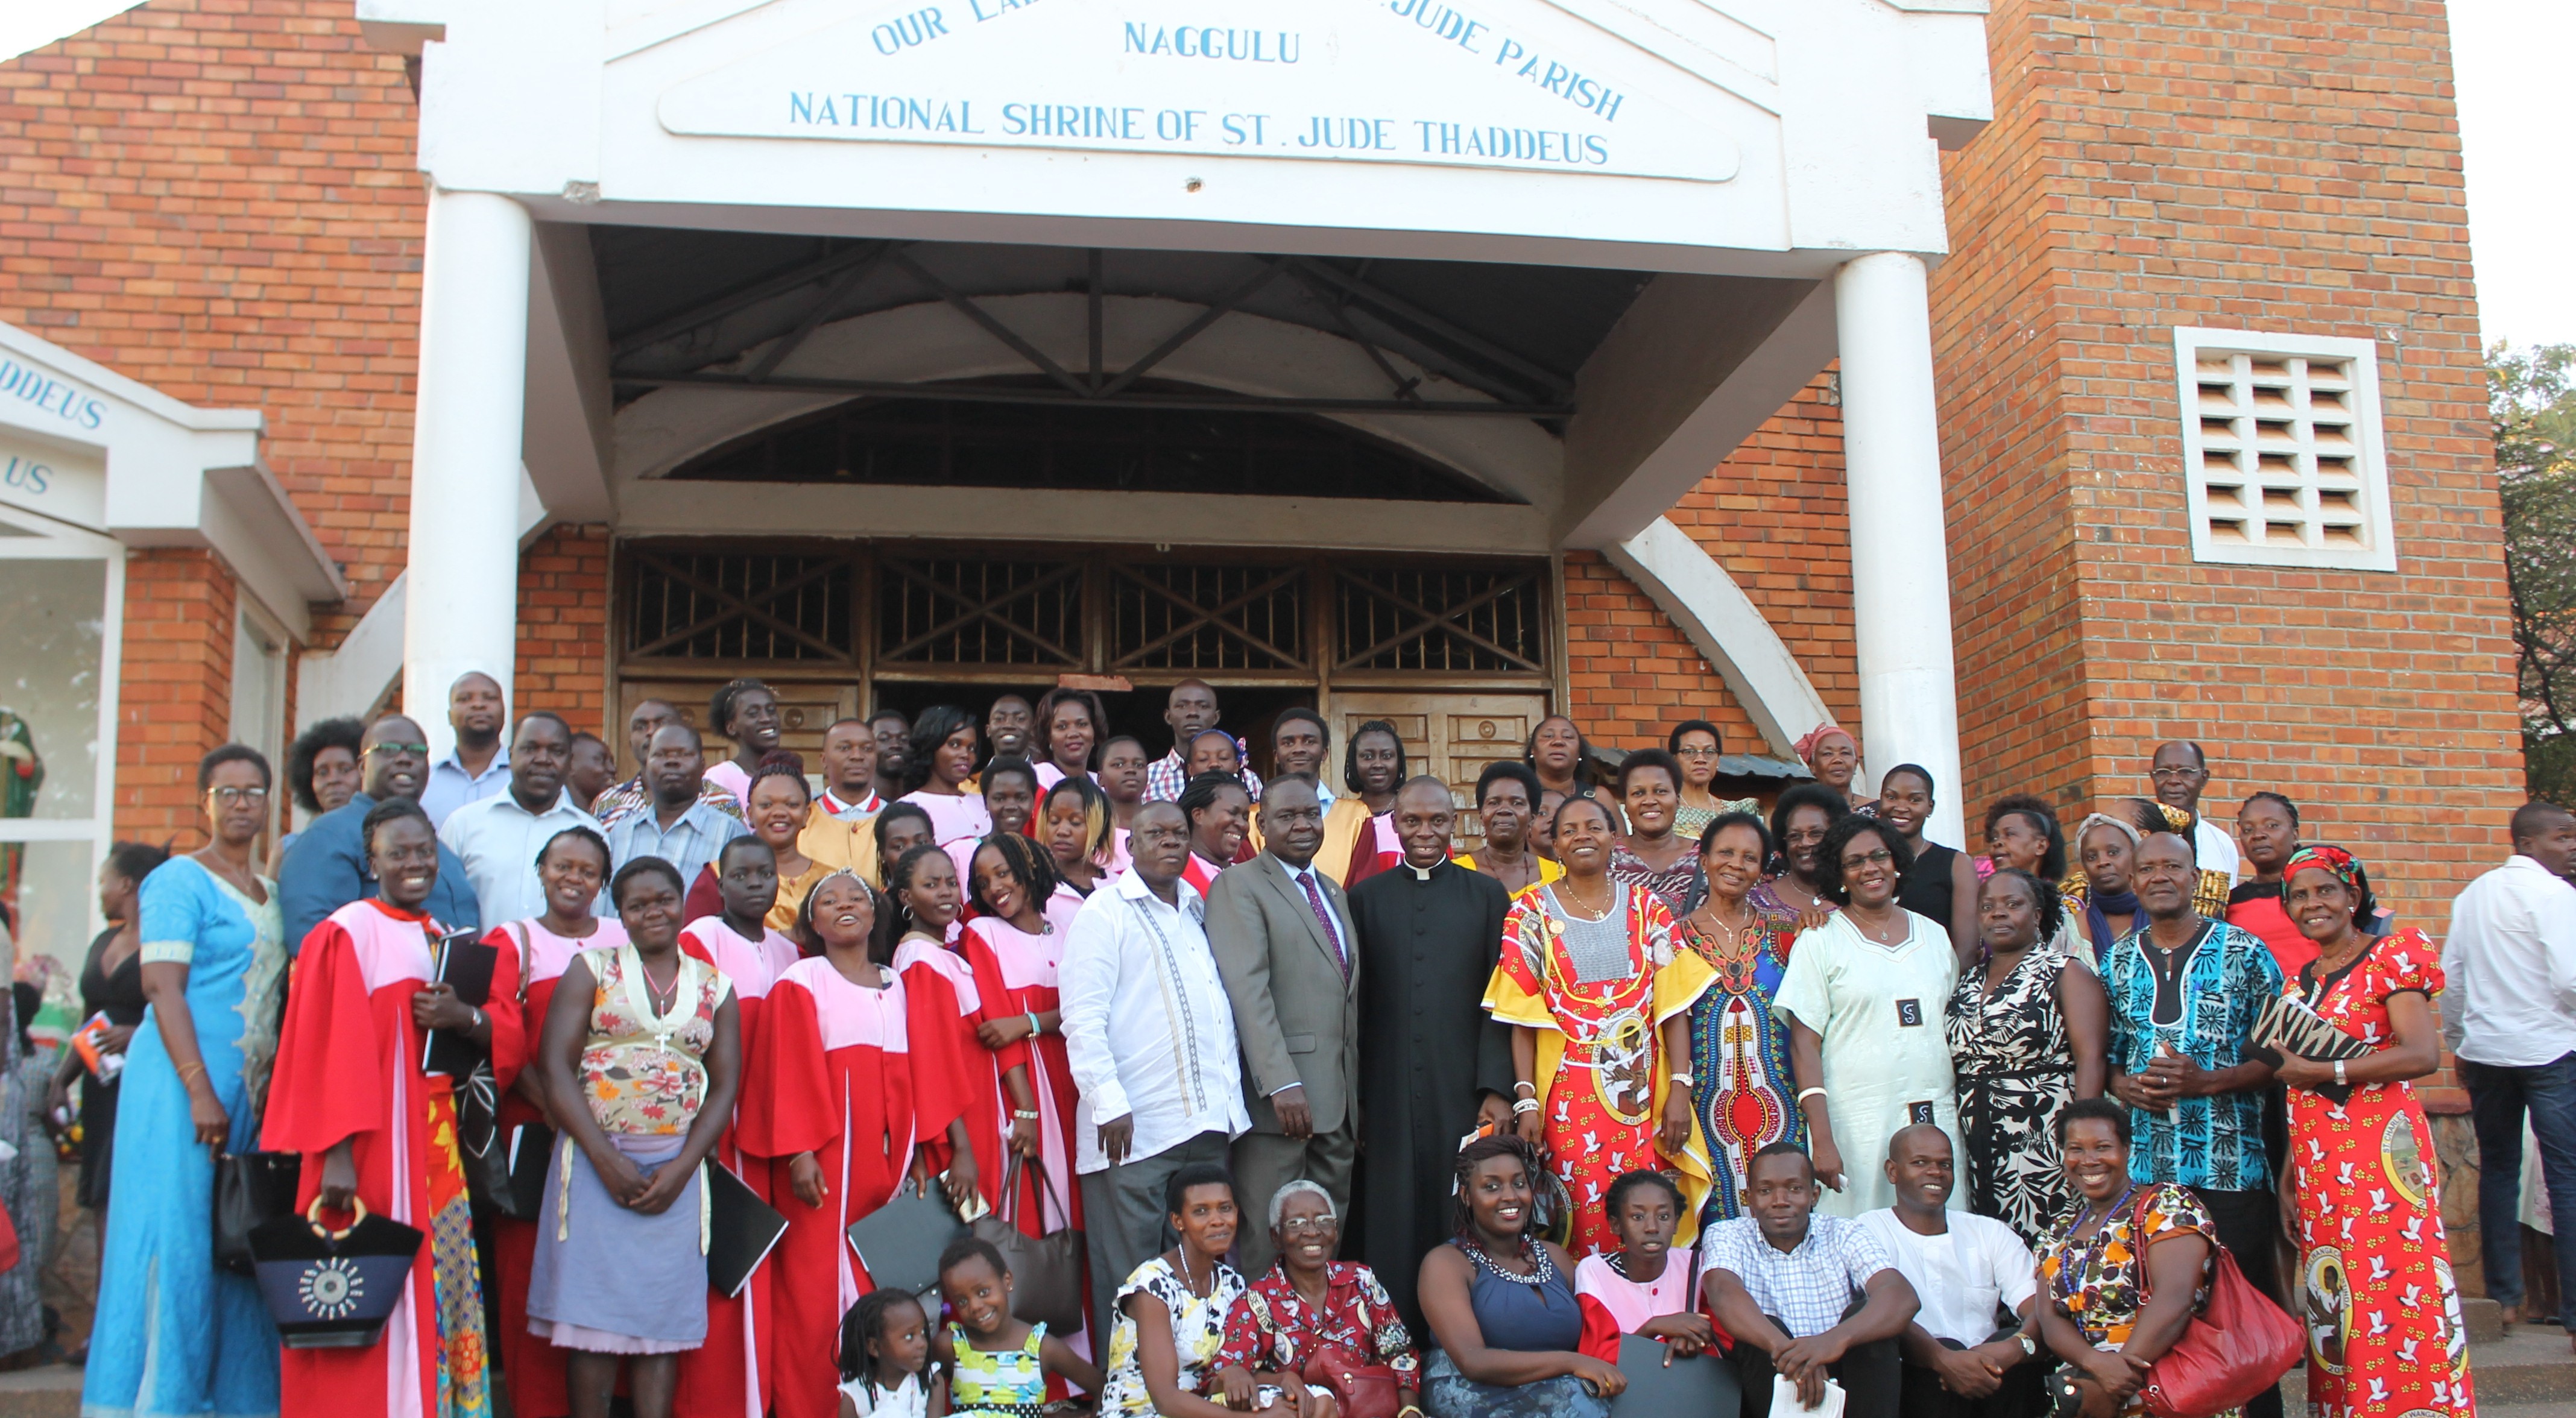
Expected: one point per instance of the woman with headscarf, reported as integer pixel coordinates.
(2384, 1329)
(1599, 1005)
(1833, 755)
(2100, 903)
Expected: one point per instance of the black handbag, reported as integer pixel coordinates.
(251, 1189)
(1046, 1271)
(482, 1149)
(331, 1289)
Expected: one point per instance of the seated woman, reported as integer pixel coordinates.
(1308, 1305)
(1643, 1287)
(2105, 1315)
(1172, 1310)
(1501, 1307)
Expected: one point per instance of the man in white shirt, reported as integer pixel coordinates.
(1150, 1036)
(1966, 1269)
(2180, 772)
(476, 768)
(2511, 963)
(498, 838)
(1282, 938)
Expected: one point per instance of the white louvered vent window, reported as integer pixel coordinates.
(2282, 450)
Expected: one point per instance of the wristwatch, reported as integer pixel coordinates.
(2029, 1346)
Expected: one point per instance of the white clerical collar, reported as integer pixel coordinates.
(1421, 873)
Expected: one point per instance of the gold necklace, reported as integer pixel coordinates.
(1575, 908)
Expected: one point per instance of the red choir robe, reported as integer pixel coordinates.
(728, 1376)
(1015, 974)
(348, 1066)
(943, 1010)
(1375, 849)
(533, 1366)
(832, 1074)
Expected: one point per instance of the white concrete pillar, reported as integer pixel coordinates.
(462, 598)
(1909, 694)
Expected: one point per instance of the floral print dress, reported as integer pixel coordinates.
(1274, 1330)
(2099, 1282)
(1198, 1334)
(2382, 1314)
(2014, 1068)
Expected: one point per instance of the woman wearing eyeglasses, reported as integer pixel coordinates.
(1864, 993)
(1695, 745)
(175, 1334)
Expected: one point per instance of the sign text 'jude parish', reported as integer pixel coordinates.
(1404, 81)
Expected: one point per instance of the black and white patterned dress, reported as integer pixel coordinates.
(2015, 1068)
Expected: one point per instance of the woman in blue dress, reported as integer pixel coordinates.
(1739, 1045)
(175, 1334)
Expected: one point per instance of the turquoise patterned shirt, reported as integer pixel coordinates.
(2229, 980)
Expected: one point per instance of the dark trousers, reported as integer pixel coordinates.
(1124, 1222)
(1868, 1374)
(1923, 1397)
(2249, 1224)
(2499, 1098)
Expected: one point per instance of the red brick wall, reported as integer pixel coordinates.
(1775, 516)
(563, 626)
(1632, 674)
(2249, 164)
(174, 698)
(217, 197)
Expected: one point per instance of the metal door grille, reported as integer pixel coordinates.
(1208, 618)
(1467, 620)
(954, 611)
(739, 606)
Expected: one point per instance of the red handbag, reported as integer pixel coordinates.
(1359, 1390)
(2239, 1345)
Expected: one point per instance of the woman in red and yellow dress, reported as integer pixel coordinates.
(1599, 1004)
(2382, 1313)
(350, 1095)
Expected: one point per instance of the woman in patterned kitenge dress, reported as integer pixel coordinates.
(1739, 1049)
(2123, 1273)
(1598, 1003)
(2028, 1031)
(2382, 1313)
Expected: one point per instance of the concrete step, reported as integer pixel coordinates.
(2531, 1366)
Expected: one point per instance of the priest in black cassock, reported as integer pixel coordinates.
(1432, 1061)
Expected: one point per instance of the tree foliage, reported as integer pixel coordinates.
(2532, 402)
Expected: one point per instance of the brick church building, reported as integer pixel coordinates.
(2019, 385)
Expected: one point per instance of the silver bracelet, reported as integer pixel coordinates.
(1526, 1105)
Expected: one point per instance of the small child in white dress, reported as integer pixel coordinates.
(885, 1357)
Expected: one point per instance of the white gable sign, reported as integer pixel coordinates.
(1380, 81)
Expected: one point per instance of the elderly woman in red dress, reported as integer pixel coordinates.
(2383, 1316)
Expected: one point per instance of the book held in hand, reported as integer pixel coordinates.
(460, 959)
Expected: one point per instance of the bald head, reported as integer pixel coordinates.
(1923, 1167)
(475, 709)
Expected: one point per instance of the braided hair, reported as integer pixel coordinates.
(1028, 863)
(720, 707)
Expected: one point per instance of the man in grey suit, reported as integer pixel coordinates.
(1282, 939)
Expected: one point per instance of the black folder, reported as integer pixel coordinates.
(464, 961)
(532, 1151)
(1703, 1384)
(743, 1229)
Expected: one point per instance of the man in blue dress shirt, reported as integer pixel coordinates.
(327, 868)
